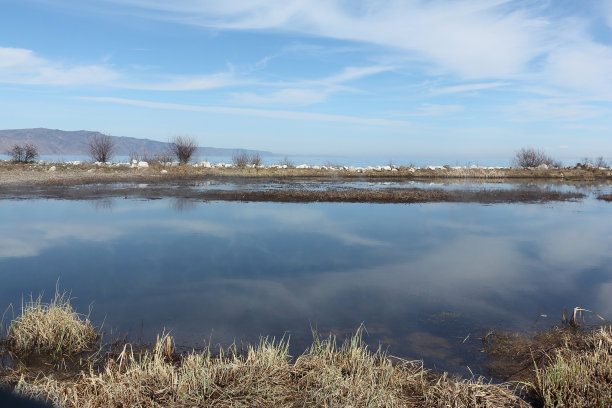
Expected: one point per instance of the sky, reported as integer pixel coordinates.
(438, 78)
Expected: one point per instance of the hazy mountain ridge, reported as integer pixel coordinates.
(58, 142)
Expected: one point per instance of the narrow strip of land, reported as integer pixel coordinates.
(334, 195)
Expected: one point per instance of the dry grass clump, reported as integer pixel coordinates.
(559, 368)
(52, 329)
(578, 375)
(326, 375)
(605, 197)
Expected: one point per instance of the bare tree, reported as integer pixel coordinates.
(183, 148)
(23, 154)
(255, 159)
(529, 157)
(101, 147)
(286, 162)
(240, 159)
(601, 162)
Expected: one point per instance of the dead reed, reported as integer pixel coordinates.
(52, 329)
(569, 367)
(326, 375)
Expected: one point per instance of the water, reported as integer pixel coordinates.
(427, 281)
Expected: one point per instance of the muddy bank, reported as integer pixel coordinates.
(605, 197)
(289, 195)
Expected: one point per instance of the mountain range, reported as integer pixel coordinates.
(62, 142)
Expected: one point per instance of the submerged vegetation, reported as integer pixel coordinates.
(563, 367)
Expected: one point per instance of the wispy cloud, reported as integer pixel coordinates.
(284, 97)
(468, 88)
(554, 109)
(23, 66)
(309, 91)
(278, 114)
(459, 37)
(468, 39)
(431, 109)
(188, 82)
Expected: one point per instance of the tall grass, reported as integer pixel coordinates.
(328, 374)
(49, 328)
(578, 375)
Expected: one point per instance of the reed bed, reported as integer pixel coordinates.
(326, 375)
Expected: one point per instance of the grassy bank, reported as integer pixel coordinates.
(84, 173)
(559, 368)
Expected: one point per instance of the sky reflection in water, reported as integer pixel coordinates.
(426, 280)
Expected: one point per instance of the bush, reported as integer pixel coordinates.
(23, 154)
(182, 148)
(530, 157)
(101, 147)
(255, 159)
(286, 162)
(240, 159)
(600, 162)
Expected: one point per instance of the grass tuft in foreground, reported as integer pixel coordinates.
(561, 368)
(326, 375)
(52, 329)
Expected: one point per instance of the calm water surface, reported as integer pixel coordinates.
(427, 281)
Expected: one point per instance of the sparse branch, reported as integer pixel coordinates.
(101, 147)
(240, 159)
(183, 148)
(26, 153)
(530, 157)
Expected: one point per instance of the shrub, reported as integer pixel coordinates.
(255, 159)
(530, 157)
(101, 147)
(183, 147)
(600, 162)
(286, 162)
(240, 159)
(23, 154)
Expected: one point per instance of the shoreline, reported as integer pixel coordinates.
(58, 357)
(87, 181)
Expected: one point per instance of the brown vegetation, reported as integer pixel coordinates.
(182, 148)
(605, 197)
(568, 367)
(49, 329)
(563, 367)
(25, 153)
(101, 147)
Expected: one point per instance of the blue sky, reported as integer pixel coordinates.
(463, 78)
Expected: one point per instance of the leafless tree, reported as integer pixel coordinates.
(255, 159)
(23, 154)
(286, 162)
(183, 147)
(101, 147)
(601, 162)
(240, 159)
(530, 157)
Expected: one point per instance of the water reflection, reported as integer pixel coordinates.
(426, 280)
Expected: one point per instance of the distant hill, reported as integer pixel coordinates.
(61, 142)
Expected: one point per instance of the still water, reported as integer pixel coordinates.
(427, 281)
